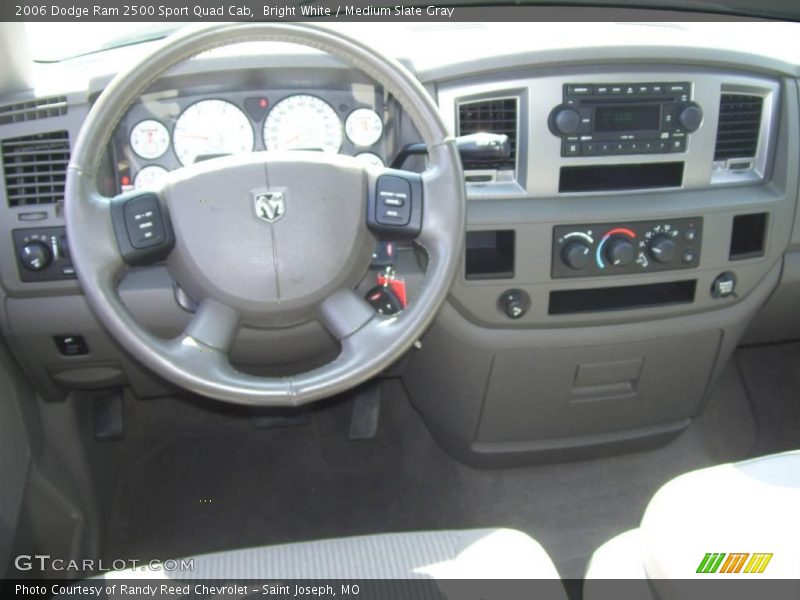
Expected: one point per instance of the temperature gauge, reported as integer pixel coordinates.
(149, 139)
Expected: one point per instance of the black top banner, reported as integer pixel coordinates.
(331, 10)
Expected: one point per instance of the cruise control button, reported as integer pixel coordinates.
(394, 200)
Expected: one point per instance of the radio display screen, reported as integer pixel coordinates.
(640, 117)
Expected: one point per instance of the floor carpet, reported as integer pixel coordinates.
(194, 478)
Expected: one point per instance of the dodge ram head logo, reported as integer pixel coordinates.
(270, 206)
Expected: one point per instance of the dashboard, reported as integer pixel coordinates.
(645, 223)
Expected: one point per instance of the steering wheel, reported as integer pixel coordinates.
(267, 239)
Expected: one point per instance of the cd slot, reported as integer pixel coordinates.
(606, 178)
(565, 302)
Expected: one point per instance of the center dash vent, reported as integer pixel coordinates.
(32, 110)
(497, 115)
(739, 126)
(35, 168)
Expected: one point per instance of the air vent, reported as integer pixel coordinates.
(35, 168)
(35, 109)
(490, 116)
(739, 126)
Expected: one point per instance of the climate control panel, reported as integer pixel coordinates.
(622, 248)
(43, 254)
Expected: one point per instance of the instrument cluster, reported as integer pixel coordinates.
(169, 131)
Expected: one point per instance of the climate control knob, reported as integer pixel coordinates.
(620, 252)
(35, 256)
(690, 116)
(564, 120)
(662, 249)
(576, 255)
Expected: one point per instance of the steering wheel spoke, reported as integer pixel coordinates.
(214, 325)
(344, 312)
(142, 227)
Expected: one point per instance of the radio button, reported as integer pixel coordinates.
(602, 90)
(616, 90)
(571, 149)
(678, 145)
(589, 148)
(580, 90)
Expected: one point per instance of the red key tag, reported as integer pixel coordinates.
(398, 286)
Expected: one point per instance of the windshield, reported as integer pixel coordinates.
(49, 44)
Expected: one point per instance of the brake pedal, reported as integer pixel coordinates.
(366, 412)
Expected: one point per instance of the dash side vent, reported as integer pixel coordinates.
(35, 168)
(41, 108)
(498, 115)
(739, 126)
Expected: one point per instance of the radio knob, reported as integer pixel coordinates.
(690, 116)
(620, 252)
(35, 256)
(564, 120)
(662, 249)
(576, 255)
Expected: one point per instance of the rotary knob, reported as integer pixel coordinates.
(690, 116)
(662, 249)
(35, 256)
(514, 303)
(620, 252)
(564, 120)
(576, 255)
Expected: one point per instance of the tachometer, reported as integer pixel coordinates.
(149, 139)
(211, 128)
(303, 122)
(363, 127)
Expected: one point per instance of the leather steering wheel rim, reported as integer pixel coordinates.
(197, 359)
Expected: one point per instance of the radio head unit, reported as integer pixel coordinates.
(625, 118)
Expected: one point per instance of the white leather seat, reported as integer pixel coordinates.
(467, 554)
(746, 508)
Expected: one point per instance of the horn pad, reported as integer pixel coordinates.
(249, 231)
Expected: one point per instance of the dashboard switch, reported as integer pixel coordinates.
(662, 249)
(71, 345)
(724, 285)
(514, 303)
(36, 256)
(620, 252)
(577, 255)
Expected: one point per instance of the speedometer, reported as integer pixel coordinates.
(211, 128)
(303, 122)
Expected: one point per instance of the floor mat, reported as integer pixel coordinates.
(195, 479)
(772, 378)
